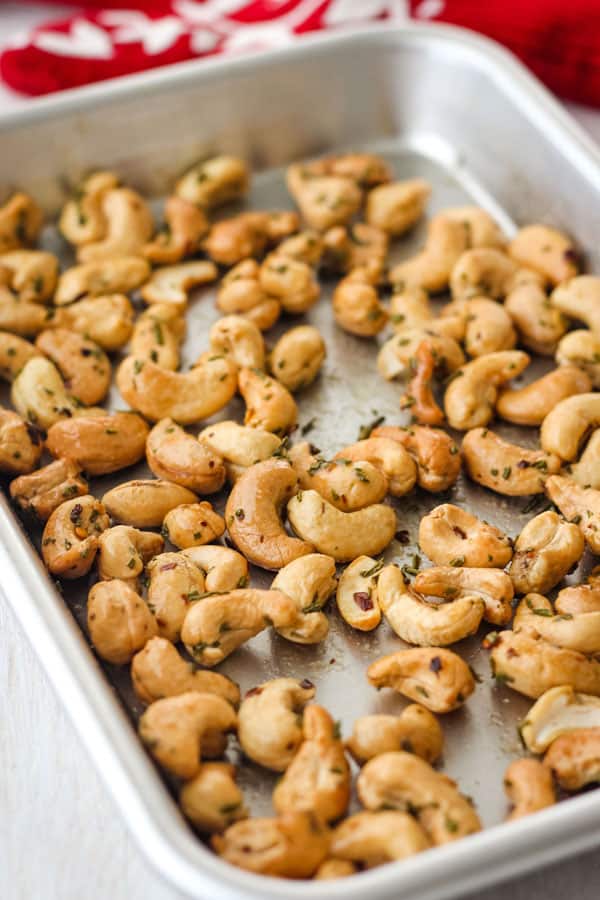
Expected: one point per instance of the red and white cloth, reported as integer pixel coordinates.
(558, 40)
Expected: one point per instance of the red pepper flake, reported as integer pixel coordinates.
(436, 664)
(306, 684)
(254, 691)
(167, 567)
(363, 600)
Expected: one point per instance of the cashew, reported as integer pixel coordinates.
(545, 551)
(41, 492)
(297, 357)
(530, 405)
(305, 246)
(410, 308)
(21, 220)
(357, 307)
(341, 535)
(426, 624)
(309, 580)
(318, 777)
(231, 241)
(334, 868)
(184, 396)
(157, 335)
(253, 517)
(174, 581)
(118, 620)
(20, 444)
(223, 569)
(482, 229)
(176, 456)
(240, 339)
(158, 670)
(354, 247)
(33, 274)
(347, 486)
(269, 405)
(173, 284)
(488, 327)
(471, 395)
(415, 730)
(578, 348)
(366, 169)
(123, 551)
(431, 268)
(404, 781)
(482, 272)
(565, 426)
(357, 596)
(493, 586)
(323, 200)
(71, 536)
(144, 503)
(586, 472)
(106, 320)
(290, 281)
(214, 182)
(129, 225)
(578, 598)
(38, 393)
(528, 786)
(101, 278)
(387, 455)
(212, 801)
(561, 710)
(579, 632)
(574, 759)
(545, 250)
(101, 443)
(437, 456)
(375, 838)
(185, 226)
(394, 358)
(241, 293)
(14, 353)
(193, 524)
(82, 220)
(540, 325)
(530, 665)
(504, 467)
(26, 319)
(219, 625)
(239, 445)
(174, 729)
(452, 536)
(419, 397)
(290, 846)
(83, 365)
(578, 505)
(579, 299)
(398, 206)
(270, 721)
(436, 678)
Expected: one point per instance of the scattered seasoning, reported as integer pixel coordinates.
(490, 640)
(365, 431)
(306, 684)
(458, 561)
(506, 472)
(240, 514)
(402, 537)
(436, 664)
(306, 429)
(366, 573)
(363, 600)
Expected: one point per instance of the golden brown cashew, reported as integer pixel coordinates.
(436, 678)
(482, 272)
(545, 250)
(425, 624)
(175, 728)
(82, 220)
(482, 229)
(565, 426)
(318, 778)
(145, 502)
(436, 454)
(397, 207)
(184, 396)
(402, 780)
(561, 710)
(357, 307)
(41, 492)
(323, 200)
(106, 320)
(341, 535)
(212, 801)
(220, 624)
(192, 524)
(14, 353)
(214, 182)
(357, 596)
(21, 220)
(239, 445)
(290, 846)
(119, 622)
(394, 358)
(231, 241)
(309, 580)
(578, 598)
(415, 730)
(366, 169)
(101, 443)
(158, 670)
(20, 444)
(240, 339)
(334, 868)
(529, 788)
(26, 319)
(410, 308)
(504, 467)
(346, 485)
(471, 395)
(223, 569)
(530, 405)
(586, 471)
(269, 405)
(71, 536)
(297, 357)
(38, 393)
(33, 274)
(123, 551)
(493, 586)
(387, 455)
(290, 281)
(180, 236)
(451, 536)
(535, 615)
(578, 348)
(488, 327)
(240, 293)
(578, 505)
(129, 225)
(419, 398)
(270, 721)
(83, 365)
(430, 269)
(375, 838)
(101, 278)
(545, 551)
(174, 582)
(579, 299)
(176, 456)
(157, 335)
(357, 246)
(173, 284)
(574, 759)
(306, 246)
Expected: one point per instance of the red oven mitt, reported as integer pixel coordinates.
(558, 40)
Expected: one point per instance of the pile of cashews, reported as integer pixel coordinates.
(171, 595)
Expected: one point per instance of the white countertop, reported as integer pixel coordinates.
(61, 837)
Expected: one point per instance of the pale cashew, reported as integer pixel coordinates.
(240, 339)
(357, 596)
(561, 710)
(33, 274)
(290, 281)
(357, 307)
(101, 278)
(540, 325)
(270, 721)
(482, 272)
(212, 801)
(129, 225)
(578, 505)
(309, 580)
(119, 622)
(578, 348)
(387, 455)
(488, 326)
(535, 615)
(410, 308)
(248, 234)
(530, 405)
(220, 624)
(144, 503)
(297, 357)
(41, 492)
(574, 759)
(415, 730)
(341, 535)
(14, 353)
(223, 569)
(71, 536)
(184, 396)
(394, 358)
(545, 551)
(375, 838)
(158, 670)
(431, 268)
(174, 729)
(21, 220)
(253, 515)
(323, 200)
(425, 624)
(239, 445)
(586, 471)
(83, 365)
(174, 582)
(436, 454)
(493, 586)
(482, 229)
(173, 284)
(240, 293)
(101, 443)
(504, 467)
(214, 182)
(404, 781)
(545, 250)
(157, 335)
(579, 299)
(38, 393)
(269, 405)
(180, 236)
(398, 206)
(334, 868)
(305, 246)
(26, 319)
(82, 220)
(566, 426)
(20, 444)
(318, 778)
(106, 320)
(529, 788)
(436, 678)
(452, 536)
(347, 486)
(471, 395)
(366, 169)
(176, 456)
(354, 247)
(578, 598)
(123, 551)
(192, 524)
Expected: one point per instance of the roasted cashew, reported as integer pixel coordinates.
(128, 226)
(106, 320)
(415, 730)
(580, 632)
(545, 551)
(174, 729)
(482, 229)
(488, 327)
(240, 339)
(82, 220)
(123, 551)
(578, 505)
(482, 272)
(545, 250)
(239, 445)
(41, 492)
(21, 220)
(528, 786)
(561, 710)
(184, 396)
(180, 236)
(270, 721)
(404, 781)
(398, 206)
(38, 393)
(419, 397)
(173, 284)
(586, 471)
(100, 443)
(387, 455)
(471, 395)
(332, 868)
(354, 247)
(431, 268)
(240, 293)
(451, 536)
(214, 182)
(579, 299)
(410, 308)
(269, 405)
(193, 524)
(26, 319)
(341, 535)
(579, 598)
(223, 569)
(318, 777)
(248, 234)
(297, 357)
(71, 536)
(530, 405)
(101, 278)
(174, 582)
(145, 502)
(212, 801)
(540, 325)
(176, 456)
(578, 348)
(309, 580)
(574, 759)
(290, 281)
(20, 444)
(493, 586)
(83, 365)
(357, 307)
(366, 169)
(436, 454)
(357, 596)
(33, 274)
(323, 200)
(157, 335)
(306, 246)
(436, 678)
(14, 353)
(375, 838)
(394, 357)
(347, 486)
(566, 426)
(504, 467)
(119, 622)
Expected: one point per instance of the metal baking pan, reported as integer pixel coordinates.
(440, 103)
